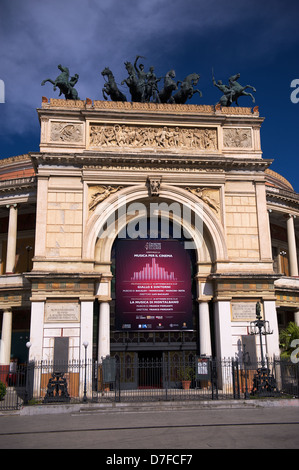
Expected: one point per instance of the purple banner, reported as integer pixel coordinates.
(153, 286)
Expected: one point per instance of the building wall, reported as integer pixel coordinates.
(96, 158)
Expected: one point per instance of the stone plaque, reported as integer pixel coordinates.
(66, 132)
(243, 311)
(62, 312)
(238, 137)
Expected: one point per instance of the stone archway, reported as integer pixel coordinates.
(111, 216)
(130, 205)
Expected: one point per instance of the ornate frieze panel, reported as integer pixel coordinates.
(152, 137)
(65, 132)
(237, 137)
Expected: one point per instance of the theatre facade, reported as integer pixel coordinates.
(144, 230)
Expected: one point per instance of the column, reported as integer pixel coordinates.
(6, 337)
(36, 331)
(86, 337)
(11, 239)
(41, 216)
(205, 347)
(224, 347)
(296, 317)
(86, 328)
(104, 331)
(292, 246)
(263, 222)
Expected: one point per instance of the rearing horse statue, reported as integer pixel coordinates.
(187, 91)
(169, 87)
(238, 89)
(233, 91)
(65, 84)
(110, 87)
(135, 85)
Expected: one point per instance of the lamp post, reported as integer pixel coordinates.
(260, 327)
(85, 344)
(28, 346)
(264, 383)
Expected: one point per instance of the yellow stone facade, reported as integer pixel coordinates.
(96, 159)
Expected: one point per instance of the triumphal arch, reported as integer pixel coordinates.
(152, 230)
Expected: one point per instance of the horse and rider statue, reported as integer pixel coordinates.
(143, 86)
(65, 83)
(233, 91)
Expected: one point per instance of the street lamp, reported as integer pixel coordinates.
(260, 327)
(264, 383)
(28, 346)
(85, 344)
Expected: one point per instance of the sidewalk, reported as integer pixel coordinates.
(151, 406)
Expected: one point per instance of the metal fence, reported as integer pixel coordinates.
(146, 380)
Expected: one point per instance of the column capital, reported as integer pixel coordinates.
(102, 298)
(6, 309)
(204, 298)
(8, 206)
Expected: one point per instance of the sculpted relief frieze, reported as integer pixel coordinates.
(237, 137)
(66, 132)
(166, 137)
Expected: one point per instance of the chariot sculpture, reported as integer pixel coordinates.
(143, 86)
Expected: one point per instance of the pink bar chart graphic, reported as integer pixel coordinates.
(153, 273)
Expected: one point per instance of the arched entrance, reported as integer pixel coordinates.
(123, 216)
(154, 296)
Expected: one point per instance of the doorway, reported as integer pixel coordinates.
(150, 370)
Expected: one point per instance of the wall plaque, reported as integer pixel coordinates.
(62, 312)
(238, 137)
(66, 132)
(243, 311)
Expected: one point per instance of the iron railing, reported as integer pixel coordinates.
(145, 380)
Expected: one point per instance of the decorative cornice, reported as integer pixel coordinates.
(17, 184)
(88, 104)
(282, 196)
(166, 161)
(15, 159)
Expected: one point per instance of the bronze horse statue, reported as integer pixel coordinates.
(65, 84)
(110, 87)
(186, 90)
(136, 86)
(233, 91)
(169, 86)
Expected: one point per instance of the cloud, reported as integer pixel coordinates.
(88, 35)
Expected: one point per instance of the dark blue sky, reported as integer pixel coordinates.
(260, 40)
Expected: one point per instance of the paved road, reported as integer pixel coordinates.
(265, 428)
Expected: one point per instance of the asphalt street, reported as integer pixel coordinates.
(238, 428)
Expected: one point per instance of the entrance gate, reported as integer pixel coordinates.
(150, 370)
